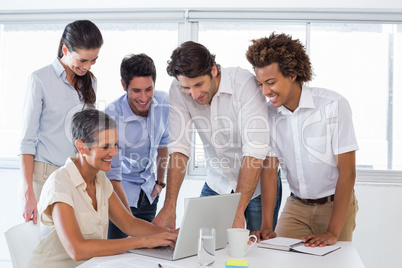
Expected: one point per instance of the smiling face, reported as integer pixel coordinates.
(140, 92)
(201, 88)
(278, 89)
(80, 61)
(99, 157)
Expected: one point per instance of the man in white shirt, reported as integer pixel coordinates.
(229, 113)
(312, 139)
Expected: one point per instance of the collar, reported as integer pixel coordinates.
(58, 67)
(129, 115)
(75, 175)
(306, 101)
(225, 85)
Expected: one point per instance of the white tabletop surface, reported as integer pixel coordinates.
(345, 257)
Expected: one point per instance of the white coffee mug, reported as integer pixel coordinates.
(238, 241)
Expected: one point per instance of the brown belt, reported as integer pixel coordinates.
(313, 202)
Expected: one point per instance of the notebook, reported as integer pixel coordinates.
(217, 211)
(290, 244)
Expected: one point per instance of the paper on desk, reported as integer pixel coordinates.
(132, 262)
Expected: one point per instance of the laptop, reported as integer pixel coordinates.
(217, 211)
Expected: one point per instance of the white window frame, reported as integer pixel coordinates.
(188, 21)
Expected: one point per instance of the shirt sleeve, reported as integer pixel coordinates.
(253, 116)
(56, 189)
(180, 122)
(31, 115)
(343, 137)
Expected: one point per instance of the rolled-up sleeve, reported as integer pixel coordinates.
(253, 116)
(31, 115)
(343, 137)
(180, 122)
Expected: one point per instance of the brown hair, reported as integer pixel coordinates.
(191, 60)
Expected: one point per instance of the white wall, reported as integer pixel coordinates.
(377, 236)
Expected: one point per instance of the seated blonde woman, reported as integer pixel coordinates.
(78, 200)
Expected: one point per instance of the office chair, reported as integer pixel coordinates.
(22, 239)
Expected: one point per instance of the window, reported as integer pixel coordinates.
(24, 48)
(28, 47)
(229, 42)
(157, 40)
(360, 60)
(357, 60)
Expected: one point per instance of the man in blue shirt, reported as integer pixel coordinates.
(137, 173)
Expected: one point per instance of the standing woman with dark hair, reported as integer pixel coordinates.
(54, 93)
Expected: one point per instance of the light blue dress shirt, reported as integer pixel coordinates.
(50, 103)
(139, 139)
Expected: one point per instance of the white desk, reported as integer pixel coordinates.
(345, 257)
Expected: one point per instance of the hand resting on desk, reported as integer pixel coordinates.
(264, 234)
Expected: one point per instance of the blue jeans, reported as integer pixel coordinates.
(144, 210)
(253, 211)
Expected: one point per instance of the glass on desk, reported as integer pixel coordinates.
(206, 247)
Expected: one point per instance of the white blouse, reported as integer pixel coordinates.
(66, 185)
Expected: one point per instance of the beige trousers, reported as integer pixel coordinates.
(298, 220)
(41, 172)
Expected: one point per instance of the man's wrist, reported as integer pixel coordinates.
(162, 184)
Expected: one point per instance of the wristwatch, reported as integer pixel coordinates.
(160, 183)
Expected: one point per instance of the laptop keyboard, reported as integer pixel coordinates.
(164, 252)
(164, 249)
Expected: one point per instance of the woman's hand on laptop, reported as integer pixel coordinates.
(161, 239)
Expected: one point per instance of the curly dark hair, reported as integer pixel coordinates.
(290, 55)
